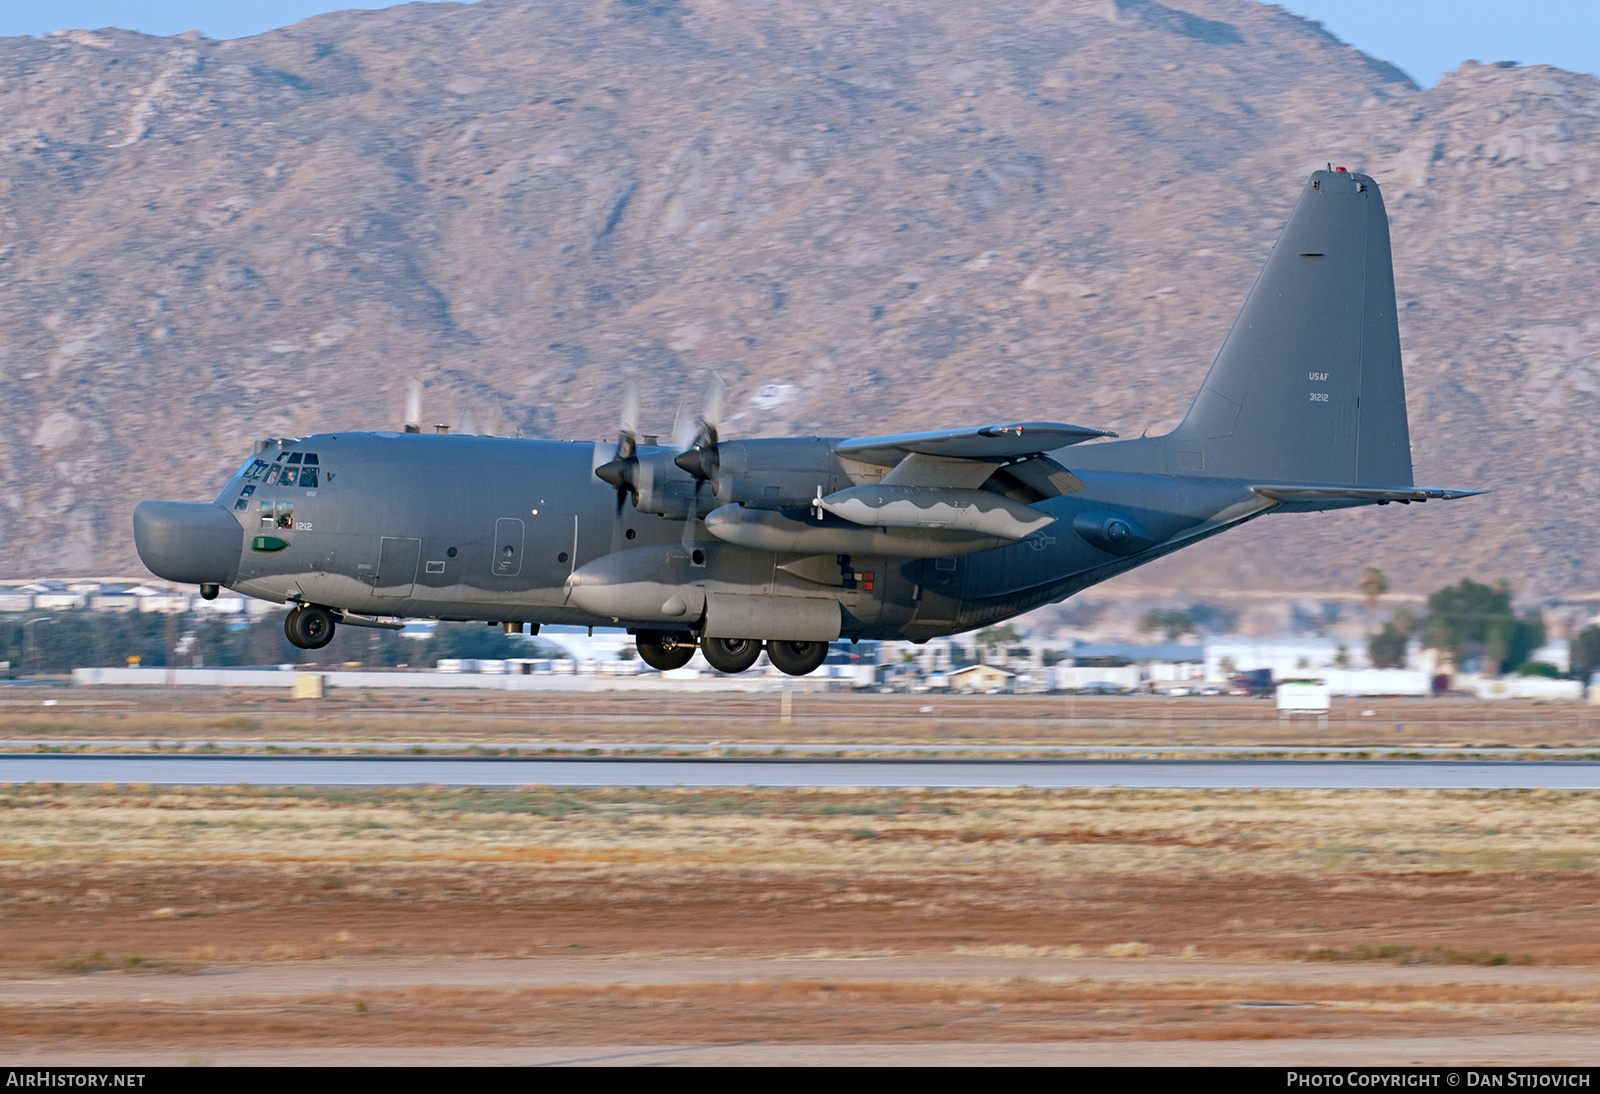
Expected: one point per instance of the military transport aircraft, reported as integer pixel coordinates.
(787, 544)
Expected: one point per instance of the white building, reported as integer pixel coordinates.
(1286, 657)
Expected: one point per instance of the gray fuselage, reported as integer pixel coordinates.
(481, 528)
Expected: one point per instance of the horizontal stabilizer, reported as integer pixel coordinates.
(991, 442)
(1370, 495)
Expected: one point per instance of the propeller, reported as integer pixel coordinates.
(700, 458)
(414, 405)
(621, 472)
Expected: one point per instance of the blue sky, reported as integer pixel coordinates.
(1424, 37)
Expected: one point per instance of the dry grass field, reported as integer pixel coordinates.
(404, 924)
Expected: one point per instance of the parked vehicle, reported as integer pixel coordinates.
(1102, 687)
(1257, 683)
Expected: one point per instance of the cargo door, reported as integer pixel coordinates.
(397, 566)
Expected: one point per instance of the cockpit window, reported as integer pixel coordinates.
(290, 469)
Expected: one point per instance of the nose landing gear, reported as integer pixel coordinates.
(309, 627)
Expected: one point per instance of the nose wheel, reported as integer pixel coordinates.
(309, 627)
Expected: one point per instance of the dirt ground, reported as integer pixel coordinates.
(234, 717)
(434, 925)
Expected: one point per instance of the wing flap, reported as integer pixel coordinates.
(921, 470)
(991, 442)
(1044, 476)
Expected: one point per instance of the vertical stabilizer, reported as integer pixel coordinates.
(1308, 386)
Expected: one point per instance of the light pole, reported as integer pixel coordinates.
(26, 659)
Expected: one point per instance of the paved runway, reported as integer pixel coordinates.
(227, 770)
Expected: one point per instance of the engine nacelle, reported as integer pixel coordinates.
(664, 488)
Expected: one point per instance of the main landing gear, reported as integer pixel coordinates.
(666, 650)
(797, 658)
(309, 627)
(731, 654)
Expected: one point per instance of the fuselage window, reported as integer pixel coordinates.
(295, 457)
(242, 503)
(311, 458)
(272, 474)
(277, 515)
(287, 478)
(308, 477)
(257, 469)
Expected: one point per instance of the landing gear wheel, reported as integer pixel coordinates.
(664, 651)
(309, 627)
(730, 654)
(797, 658)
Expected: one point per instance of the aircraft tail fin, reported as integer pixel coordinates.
(1307, 387)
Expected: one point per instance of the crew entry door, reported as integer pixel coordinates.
(507, 547)
(397, 566)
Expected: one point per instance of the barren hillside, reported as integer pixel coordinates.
(891, 216)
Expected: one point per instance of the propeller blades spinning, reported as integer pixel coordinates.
(699, 456)
(621, 472)
(700, 459)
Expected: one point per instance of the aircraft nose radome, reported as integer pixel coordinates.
(195, 543)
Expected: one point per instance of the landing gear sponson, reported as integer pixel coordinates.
(311, 627)
(666, 650)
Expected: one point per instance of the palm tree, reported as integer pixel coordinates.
(1373, 585)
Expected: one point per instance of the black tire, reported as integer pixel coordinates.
(797, 658)
(730, 654)
(309, 627)
(664, 651)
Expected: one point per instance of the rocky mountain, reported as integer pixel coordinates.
(908, 214)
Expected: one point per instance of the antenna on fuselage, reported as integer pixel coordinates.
(414, 405)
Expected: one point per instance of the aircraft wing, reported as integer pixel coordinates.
(1405, 495)
(984, 442)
